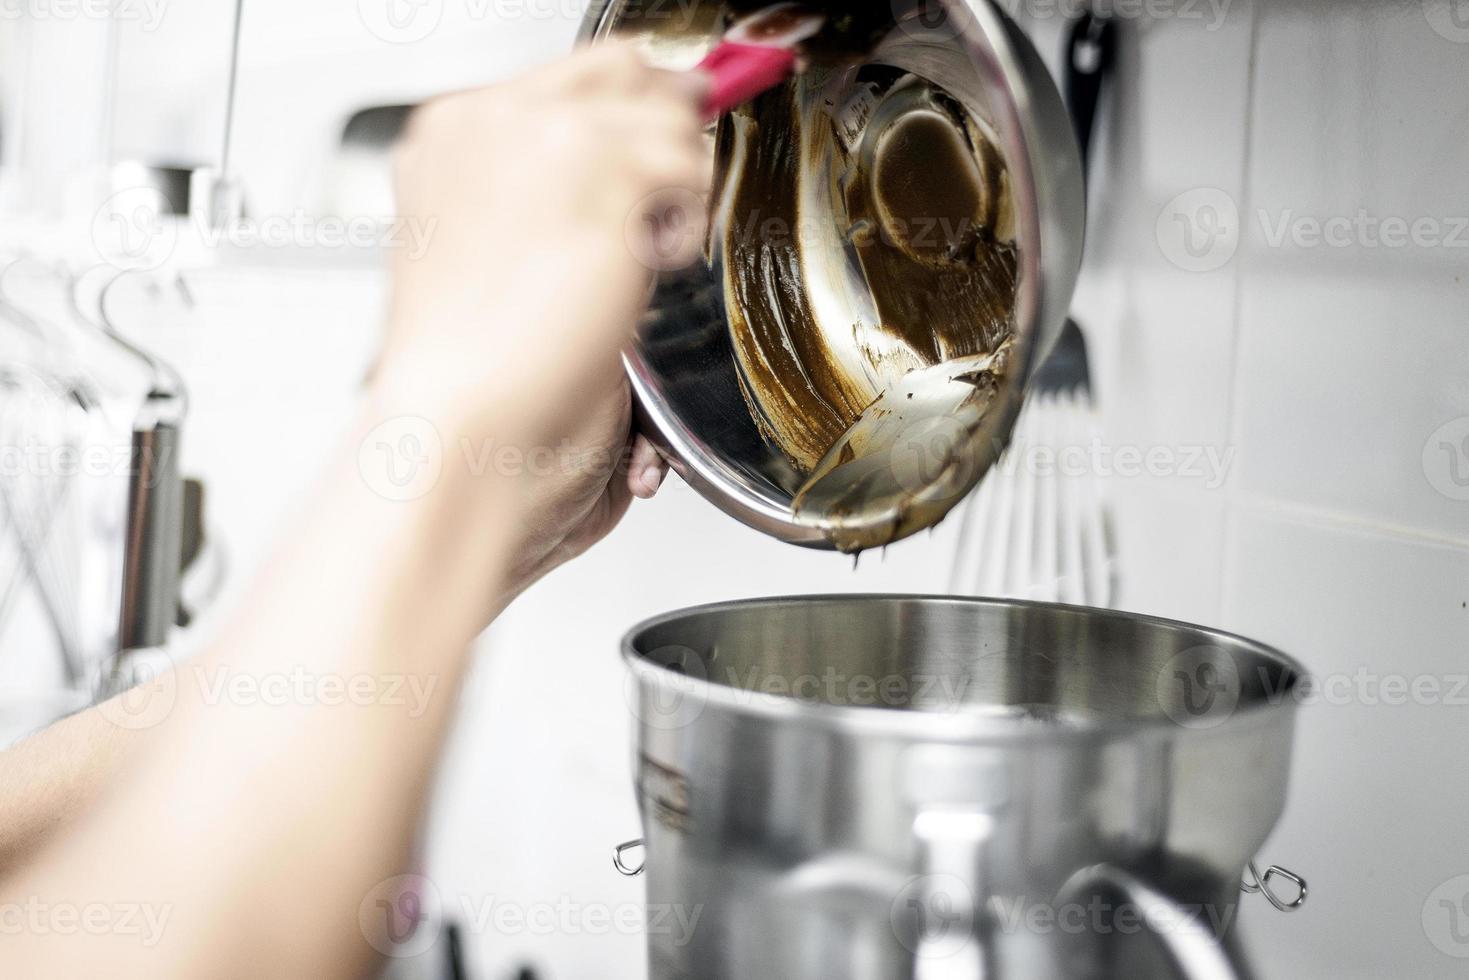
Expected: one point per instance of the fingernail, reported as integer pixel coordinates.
(652, 477)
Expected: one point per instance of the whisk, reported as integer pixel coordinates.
(1039, 526)
(42, 422)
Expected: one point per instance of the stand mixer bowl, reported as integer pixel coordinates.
(870, 788)
(776, 376)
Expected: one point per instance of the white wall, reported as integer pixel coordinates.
(1341, 533)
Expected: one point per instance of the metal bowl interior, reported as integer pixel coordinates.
(692, 398)
(1006, 665)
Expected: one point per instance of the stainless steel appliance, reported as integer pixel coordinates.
(691, 381)
(891, 787)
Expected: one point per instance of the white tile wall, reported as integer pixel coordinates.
(1345, 523)
(1380, 783)
(1344, 381)
(1348, 543)
(1340, 533)
(1353, 355)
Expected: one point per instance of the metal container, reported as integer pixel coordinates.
(870, 788)
(684, 370)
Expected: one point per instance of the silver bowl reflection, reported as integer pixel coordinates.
(880, 787)
(709, 414)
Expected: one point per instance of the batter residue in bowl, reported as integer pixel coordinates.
(866, 229)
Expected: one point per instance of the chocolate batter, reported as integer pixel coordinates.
(870, 276)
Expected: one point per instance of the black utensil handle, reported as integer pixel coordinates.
(154, 543)
(1091, 47)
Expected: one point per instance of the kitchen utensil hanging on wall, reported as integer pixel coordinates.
(1029, 531)
(45, 406)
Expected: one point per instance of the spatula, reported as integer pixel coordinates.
(758, 53)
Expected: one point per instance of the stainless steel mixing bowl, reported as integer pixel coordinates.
(684, 370)
(877, 788)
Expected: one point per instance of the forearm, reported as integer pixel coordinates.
(50, 778)
(255, 829)
(253, 825)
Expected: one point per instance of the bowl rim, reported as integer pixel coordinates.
(961, 725)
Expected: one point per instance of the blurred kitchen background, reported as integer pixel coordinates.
(1285, 414)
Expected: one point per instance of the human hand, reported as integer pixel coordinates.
(538, 193)
(586, 489)
(508, 328)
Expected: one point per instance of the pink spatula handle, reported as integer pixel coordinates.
(743, 71)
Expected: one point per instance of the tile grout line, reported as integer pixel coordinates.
(1308, 514)
(1227, 563)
